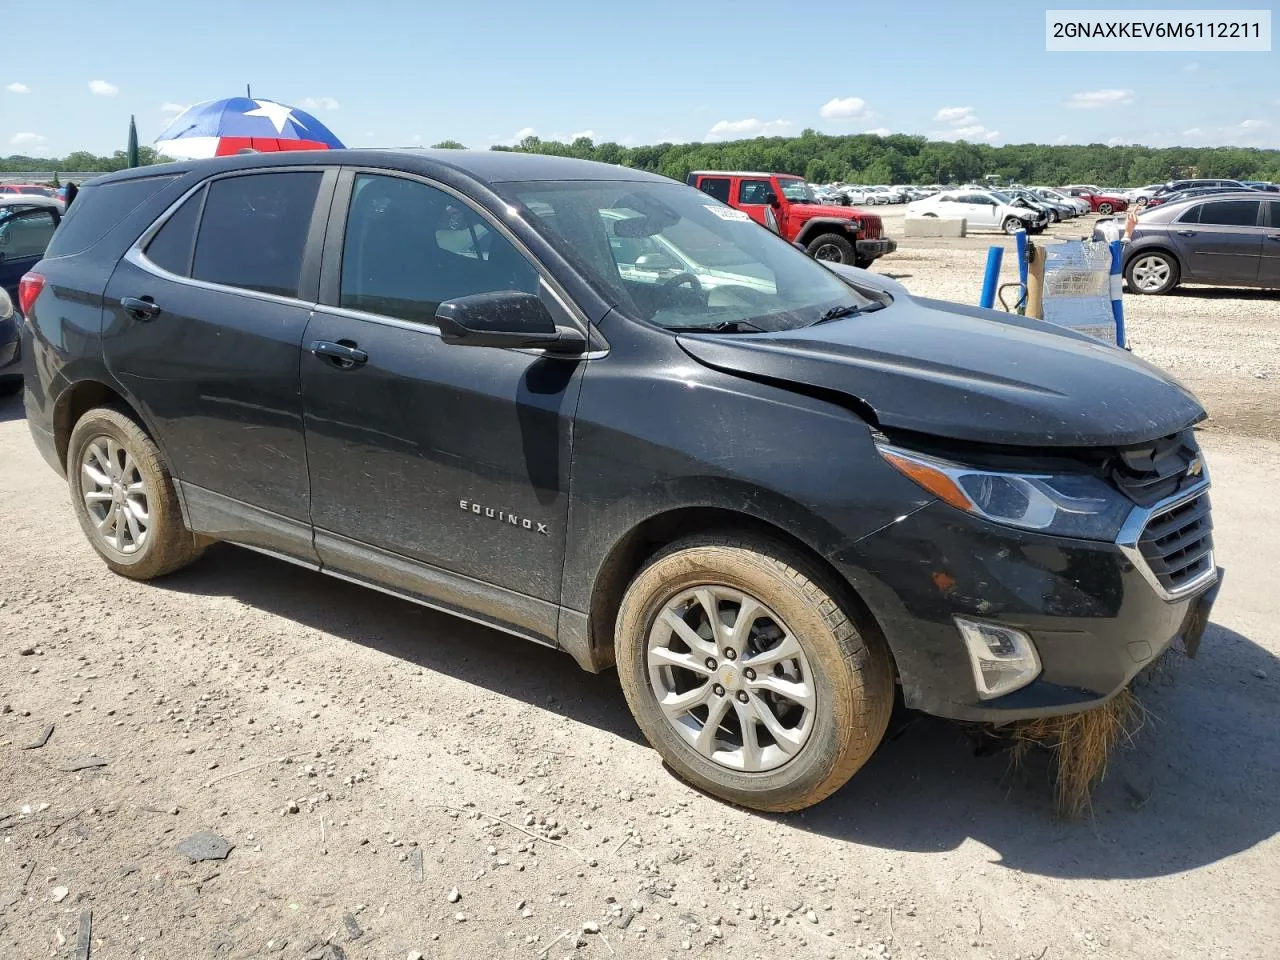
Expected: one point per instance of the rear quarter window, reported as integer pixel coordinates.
(96, 209)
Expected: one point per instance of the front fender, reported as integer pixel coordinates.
(819, 225)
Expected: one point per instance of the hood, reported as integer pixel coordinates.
(964, 373)
(807, 210)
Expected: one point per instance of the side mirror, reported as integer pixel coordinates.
(507, 318)
(771, 199)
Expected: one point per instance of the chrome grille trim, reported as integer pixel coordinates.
(1140, 519)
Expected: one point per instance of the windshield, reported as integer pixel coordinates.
(669, 254)
(1002, 196)
(797, 191)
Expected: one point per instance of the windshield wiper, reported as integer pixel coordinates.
(723, 326)
(838, 313)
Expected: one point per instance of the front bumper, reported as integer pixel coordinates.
(1093, 615)
(874, 249)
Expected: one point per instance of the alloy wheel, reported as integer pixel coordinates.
(829, 252)
(115, 495)
(1151, 273)
(731, 679)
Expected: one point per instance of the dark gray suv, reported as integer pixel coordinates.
(605, 412)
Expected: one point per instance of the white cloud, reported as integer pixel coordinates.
(320, 103)
(845, 108)
(28, 140)
(751, 127)
(1062, 138)
(525, 132)
(1254, 125)
(589, 134)
(16, 87)
(972, 133)
(1093, 99)
(1193, 132)
(879, 131)
(956, 115)
(100, 88)
(173, 109)
(1115, 141)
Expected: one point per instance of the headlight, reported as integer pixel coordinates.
(1064, 504)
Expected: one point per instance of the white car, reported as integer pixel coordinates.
(855, 194)
(983, 209)
(876, 196)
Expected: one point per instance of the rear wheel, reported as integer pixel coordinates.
(1105, 208)
(123, 497)
(747, 676)
(1154, 273)
(831, 247)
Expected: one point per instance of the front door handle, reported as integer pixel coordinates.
(1273, 236)
(344, 354)
(1186, 233)
(140, 308)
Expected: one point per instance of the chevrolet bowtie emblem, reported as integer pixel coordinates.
(1195, 467)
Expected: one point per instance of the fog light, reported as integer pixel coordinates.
(1003, 659)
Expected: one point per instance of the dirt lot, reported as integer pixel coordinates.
(366, 757)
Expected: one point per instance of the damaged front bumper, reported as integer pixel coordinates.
(1090, 610)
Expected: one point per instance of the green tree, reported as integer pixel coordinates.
(448, 145)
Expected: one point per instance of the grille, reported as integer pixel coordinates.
(1177, 543)
(871, 226)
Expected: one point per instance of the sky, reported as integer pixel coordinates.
(400, 72)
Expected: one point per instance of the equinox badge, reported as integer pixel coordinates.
(502, 516)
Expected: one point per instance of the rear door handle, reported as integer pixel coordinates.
(343, 354)
(140, 308)
(1186, 233)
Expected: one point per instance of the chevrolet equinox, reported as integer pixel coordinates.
(605, 412)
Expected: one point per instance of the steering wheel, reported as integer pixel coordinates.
(671, 284)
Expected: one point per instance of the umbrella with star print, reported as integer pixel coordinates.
(220, 128)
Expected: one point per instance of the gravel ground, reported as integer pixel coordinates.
(396, 783)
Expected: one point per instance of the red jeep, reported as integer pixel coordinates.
(827, 232)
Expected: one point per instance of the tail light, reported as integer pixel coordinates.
(29, 288)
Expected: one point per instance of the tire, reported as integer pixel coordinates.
(1054, 216)
(832, 247)
(138, 550)
(864, 262)
(10, 386)
(850, 673)
(1152, 272)
(1105, 208)
(1012, 225)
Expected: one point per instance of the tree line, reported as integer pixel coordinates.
(860, 158)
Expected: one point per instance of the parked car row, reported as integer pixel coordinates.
(27, 222)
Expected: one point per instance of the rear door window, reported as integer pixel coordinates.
(98, 208)
(1230, 213)
(717, 187)
(254, 231)
(1275, 213)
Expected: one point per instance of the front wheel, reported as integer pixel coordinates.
(1152, 273)
(746, 674)
(832, 248)
(1012, 225)
(123, 497)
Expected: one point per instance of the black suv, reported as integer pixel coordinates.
(768, 489)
